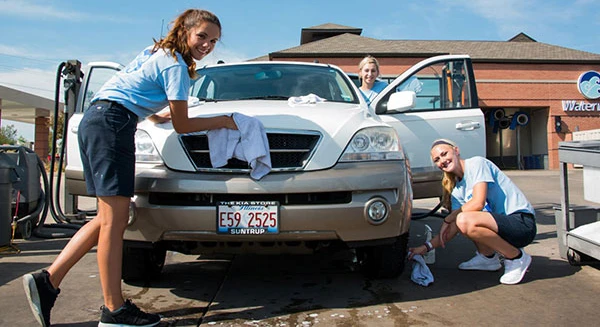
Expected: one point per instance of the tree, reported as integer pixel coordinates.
(8, 135)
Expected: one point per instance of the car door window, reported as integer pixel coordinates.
(97, 76)
(440, 86)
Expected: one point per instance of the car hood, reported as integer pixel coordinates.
(336, 122)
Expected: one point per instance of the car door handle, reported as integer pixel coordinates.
(468, 125)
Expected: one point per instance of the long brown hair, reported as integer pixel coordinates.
(176, 39)
(449, 179)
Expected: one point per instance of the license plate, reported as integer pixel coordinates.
(248, 217)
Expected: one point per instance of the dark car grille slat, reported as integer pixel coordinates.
(211, 200)
(288, 151)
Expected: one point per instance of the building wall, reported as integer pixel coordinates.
(538, 89)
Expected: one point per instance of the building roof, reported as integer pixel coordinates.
(520, 48)
(24, 107)
(323, 31)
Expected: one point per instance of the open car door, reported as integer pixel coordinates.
(436, 98)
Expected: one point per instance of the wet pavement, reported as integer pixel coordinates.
(327, 289)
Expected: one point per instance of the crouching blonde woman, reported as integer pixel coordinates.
(486, 207)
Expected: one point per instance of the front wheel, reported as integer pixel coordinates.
(384, 261)
(142, 261)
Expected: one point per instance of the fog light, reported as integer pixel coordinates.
(377, 210)
(132, 212)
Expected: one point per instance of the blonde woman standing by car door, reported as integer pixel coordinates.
(159, 76)
(488, 208)
(368, 71)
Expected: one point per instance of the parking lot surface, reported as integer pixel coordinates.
(327, 289)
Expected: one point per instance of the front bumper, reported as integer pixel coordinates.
(155, 221)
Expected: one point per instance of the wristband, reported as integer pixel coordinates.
(428, 245)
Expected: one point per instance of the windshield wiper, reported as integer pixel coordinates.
(266, 97)
(207, 100)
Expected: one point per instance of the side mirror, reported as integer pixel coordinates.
(402, 101)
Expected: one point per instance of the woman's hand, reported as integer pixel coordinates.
(230, 123)
(418, 250)
(160, 118)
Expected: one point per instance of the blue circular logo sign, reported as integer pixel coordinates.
(589, 84)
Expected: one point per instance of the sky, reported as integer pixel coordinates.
(37, 35)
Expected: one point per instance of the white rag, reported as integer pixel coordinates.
(249, 143)
(420, 271)
(310, 99)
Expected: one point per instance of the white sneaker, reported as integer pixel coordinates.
(481, 262)
(514, 270)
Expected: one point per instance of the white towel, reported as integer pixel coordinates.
(310, 99)
(420, 271)
(249, 143)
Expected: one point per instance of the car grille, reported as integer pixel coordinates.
(289, 151)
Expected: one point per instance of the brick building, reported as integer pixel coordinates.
(514, 76)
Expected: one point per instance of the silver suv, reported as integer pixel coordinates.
(339, 174)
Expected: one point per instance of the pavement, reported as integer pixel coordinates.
(327, 290)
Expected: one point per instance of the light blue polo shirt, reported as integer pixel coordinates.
(148, 83)
(503, 196)
(372, 93)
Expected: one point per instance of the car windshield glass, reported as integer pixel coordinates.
(271, 82)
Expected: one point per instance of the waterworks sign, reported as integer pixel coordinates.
(588, 85)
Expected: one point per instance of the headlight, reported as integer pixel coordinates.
(145, 151)
(373, 144)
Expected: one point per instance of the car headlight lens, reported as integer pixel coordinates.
(145, 151)
(374, 144)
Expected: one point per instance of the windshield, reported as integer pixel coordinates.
(271, 82)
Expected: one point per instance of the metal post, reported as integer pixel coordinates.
(519, 161)
(562, 226)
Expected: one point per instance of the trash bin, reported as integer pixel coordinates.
(7, 177)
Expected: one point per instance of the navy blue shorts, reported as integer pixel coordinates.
(106, 138)
(518, 229)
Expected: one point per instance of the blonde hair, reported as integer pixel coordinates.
(176, 39)
(449, 179)
(368, 60)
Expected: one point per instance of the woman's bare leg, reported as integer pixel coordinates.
(115, 212)
(80, 244)
(481, 228)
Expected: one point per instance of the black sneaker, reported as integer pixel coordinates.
(41, 295)
(127, 315)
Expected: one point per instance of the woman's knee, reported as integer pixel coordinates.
(463, 223)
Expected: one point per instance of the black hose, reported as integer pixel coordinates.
(431, 213)
(42, 229)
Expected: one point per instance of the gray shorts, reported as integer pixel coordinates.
(518, 229)
(106, 138)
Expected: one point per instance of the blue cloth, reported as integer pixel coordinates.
(503, 196)
(147, 84)
(420, 271)
(374, 91)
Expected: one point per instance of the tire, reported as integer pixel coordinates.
(577, 258)
(384, 261)
(25, 229)
(142, 261)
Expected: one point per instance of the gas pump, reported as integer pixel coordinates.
(33, 200)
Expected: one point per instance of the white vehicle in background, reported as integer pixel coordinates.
(340, 173)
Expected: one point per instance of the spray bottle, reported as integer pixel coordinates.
(429, 257)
